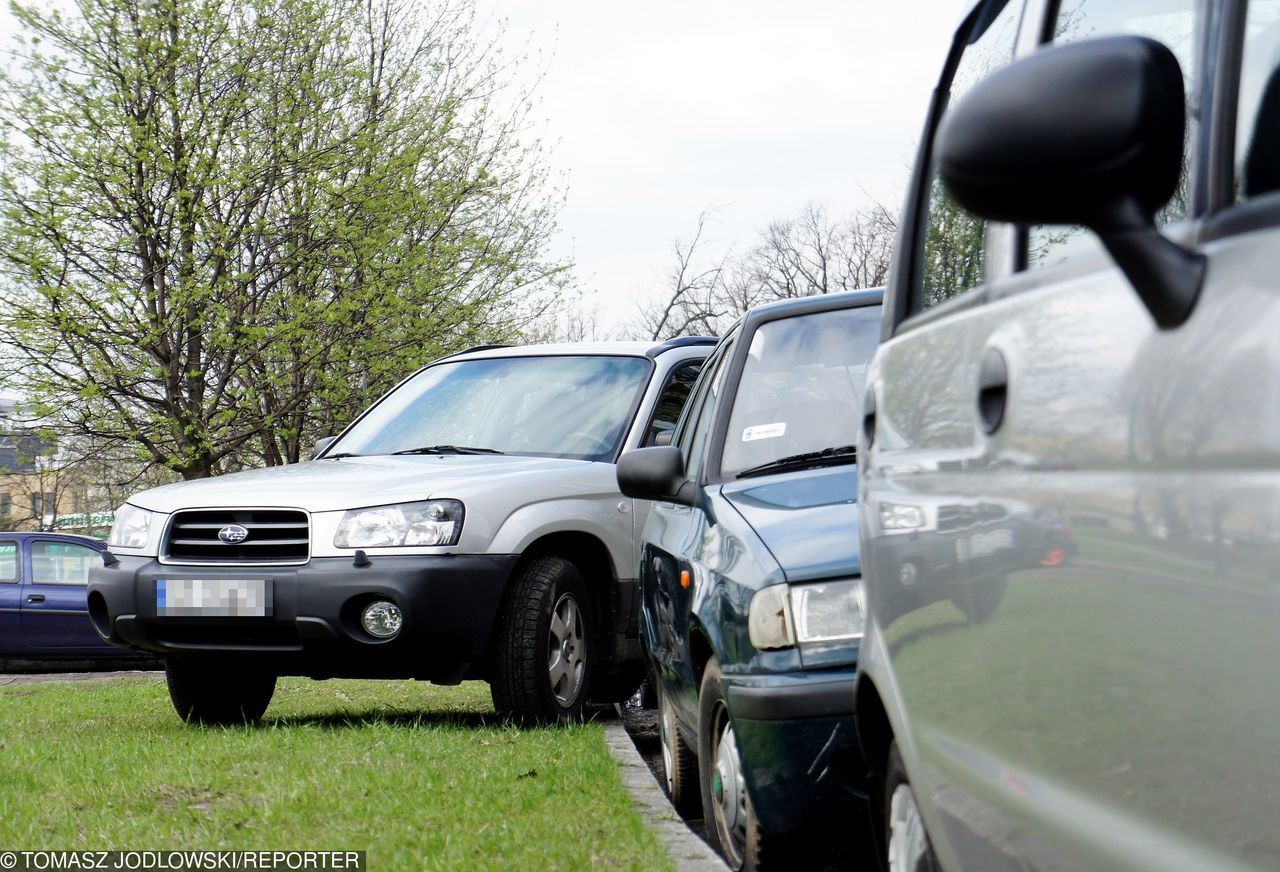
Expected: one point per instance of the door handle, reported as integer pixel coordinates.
(869, 416)
(993, 390)
(35, 598)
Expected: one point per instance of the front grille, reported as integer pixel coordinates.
(961, 517)
(274, 536)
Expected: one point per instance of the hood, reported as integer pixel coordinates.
(808, 520)
(355, 482)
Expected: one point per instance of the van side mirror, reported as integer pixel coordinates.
(655, 474)
(1088, 133)
(321, 445)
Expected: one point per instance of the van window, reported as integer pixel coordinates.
(951, 258)
(1258, 110)
(1176, 23)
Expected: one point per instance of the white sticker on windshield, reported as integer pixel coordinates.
(764, 431)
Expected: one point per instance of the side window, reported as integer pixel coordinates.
(693, 440)
(672, 400)
(951, 258)
(1258, 110)
(1179, 24)
(61, 563)
(8, 561)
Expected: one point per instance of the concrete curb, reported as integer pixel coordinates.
(687, 851)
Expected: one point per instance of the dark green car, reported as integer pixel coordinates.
(750, 578)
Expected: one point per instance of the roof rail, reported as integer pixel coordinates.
(681, 342)
(480, 348)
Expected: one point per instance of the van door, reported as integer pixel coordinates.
(1102, 499)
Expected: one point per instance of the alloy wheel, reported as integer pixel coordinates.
(566, 650)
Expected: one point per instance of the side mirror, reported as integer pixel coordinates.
(655, 474)
(322, 445)
(1087, 133)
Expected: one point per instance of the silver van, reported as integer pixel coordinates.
(1070, 457)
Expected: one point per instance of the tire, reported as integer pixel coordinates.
(906, 841)
(679, 762)
(536, 681)
(211, 696)
(732, 826)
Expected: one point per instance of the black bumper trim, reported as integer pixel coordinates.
(450, 605)
(789, 702)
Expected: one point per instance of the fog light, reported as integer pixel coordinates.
(381, 619)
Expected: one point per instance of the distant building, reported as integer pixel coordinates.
(34, 491)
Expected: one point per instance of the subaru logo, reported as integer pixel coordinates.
(233, 534)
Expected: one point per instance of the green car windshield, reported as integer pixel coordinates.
(801, 391)
(552, 406)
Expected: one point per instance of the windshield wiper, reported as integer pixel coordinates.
(448, 449)
(825, 457)
(340, 455)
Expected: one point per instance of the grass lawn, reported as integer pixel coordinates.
(417, 775)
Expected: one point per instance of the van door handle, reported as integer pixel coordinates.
(869, 416)
(993, 390)
(35, 598)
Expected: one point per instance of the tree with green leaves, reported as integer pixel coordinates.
(226, 227)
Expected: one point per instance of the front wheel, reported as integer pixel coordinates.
(202, 694)
(906, 839)
(732, 826)
(542, 661)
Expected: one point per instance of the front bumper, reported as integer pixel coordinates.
(450, 604)
(799, 747)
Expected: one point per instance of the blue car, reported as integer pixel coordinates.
(44, 618)
(751, 595)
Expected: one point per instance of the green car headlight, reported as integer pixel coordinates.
(784, 615)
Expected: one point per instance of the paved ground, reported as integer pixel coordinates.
(642, 726)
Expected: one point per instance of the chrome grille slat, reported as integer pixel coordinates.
(274, 536)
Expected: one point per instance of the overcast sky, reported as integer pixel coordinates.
(661, 109)
(658, 110)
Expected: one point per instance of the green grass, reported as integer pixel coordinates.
(418, 776)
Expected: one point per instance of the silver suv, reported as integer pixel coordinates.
(467, 525)
(1070, 465)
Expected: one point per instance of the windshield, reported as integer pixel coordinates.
(801, 389)
(575, 407)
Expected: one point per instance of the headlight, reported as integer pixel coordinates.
(896, 518)
(769, 621)
(782, 615)
(435, 522)
(131, 529)
(829, 612)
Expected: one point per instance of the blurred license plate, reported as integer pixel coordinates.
(213, 597)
